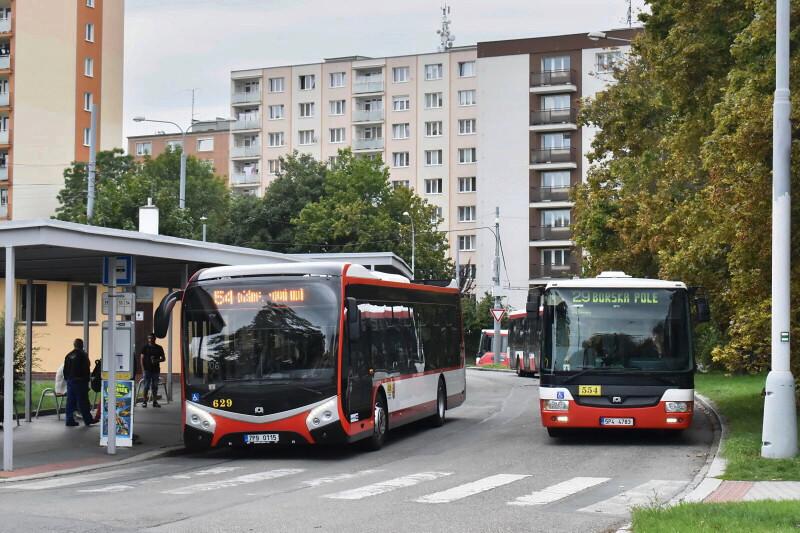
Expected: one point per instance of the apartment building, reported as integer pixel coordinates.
(56, 60)
(207, 141)
(419, 113)
(533, 150)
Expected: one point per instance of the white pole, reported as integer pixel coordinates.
(28, 346)
(90, 179)
(498, 303)
(111, 403)
(182, 192)
(779, 434)
(8, 365)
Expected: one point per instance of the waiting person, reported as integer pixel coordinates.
(152, 356)
(76, 373)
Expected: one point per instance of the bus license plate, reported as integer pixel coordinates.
(261, 438)
(588, 390)
(613, 421)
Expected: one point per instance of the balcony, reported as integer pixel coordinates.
(4, 173)
(368, 115)
(550, 233)
(245, 97)
(554, 117)
(372, 86)
(549, 156)
(241, 179)
(5, 62)
(368, 144)
(5, 25)
(553, 78)
(247, 123)
(554, 271)
(252, 150)
(550, 194)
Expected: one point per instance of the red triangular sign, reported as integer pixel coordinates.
(497, 314)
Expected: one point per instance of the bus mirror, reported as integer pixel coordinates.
(353, 323)
(534, 297)
(164, 312)
(703, 309)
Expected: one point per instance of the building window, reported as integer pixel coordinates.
(433, 128)
(337, 135)
(433, 158)
(89, 3)
(401, 131)
(466, 69)
(467, 155)
(38, 299)
(307, 82)
(466, 98)
(555, 141)
(275, 138)
(466, 213)
(468, 271)
(401, 103)
(556, 256)
(555, 101)
(332, 160)
(88, 67)
(400, 183)
(88, 100)
(555, 63)
(466, 126)
(205, 145)
(4, 202)
(400, 74)
(436, 216)
(276, 85)
(433, 72)
(556, 218)
(466, 243)
(275, 112)
(90, 32)
(467, 184)
(336, 107)
(556, 179)
(274, 166)
(400, 159)
(305, 137)
(144, 148)
(606, 61)
(433, 100)
(433, 186)
(337, 79)
(174, 145)
(87, 136)
(307, 109)
(76, 303)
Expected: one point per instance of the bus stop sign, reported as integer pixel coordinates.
(497, 314)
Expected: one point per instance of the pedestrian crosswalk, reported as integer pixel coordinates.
(595, 495)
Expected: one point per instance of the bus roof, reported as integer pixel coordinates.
(614, 280)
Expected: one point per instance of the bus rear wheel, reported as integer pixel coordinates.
(437, 420)
(380, 417)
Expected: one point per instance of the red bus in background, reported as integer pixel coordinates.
(485, 355)
(523, 342)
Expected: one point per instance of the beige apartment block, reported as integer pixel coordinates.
(57, 58)
(418, 113)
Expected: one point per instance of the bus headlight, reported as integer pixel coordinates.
(323, 414)
(199, 419)
(556, 405)
(678, 407)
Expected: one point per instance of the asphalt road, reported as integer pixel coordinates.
(491, 467)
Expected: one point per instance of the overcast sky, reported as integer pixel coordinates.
(172, 46)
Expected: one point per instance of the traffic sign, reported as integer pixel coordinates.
(124, 269)
(126, 303)
(497, 314)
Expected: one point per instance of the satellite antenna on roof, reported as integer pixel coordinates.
(630, 13)
(445, 37)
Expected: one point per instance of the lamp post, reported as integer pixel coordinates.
(413, 245)
(598, 35)
(203, 220)
(182, 193)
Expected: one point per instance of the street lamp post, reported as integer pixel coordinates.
(203, 220)
(413, 245)
(598, 35)
(182, 191)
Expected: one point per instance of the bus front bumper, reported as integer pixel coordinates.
(581, 416)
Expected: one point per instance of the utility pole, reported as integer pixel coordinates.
(90, 181)
(498, 302)
(779, 433)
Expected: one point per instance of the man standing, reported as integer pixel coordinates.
(151, 356)
(76, 374)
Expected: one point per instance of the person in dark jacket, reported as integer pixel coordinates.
(76, 374)
(152, 355)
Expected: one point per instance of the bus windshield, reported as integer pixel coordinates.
(261, 331)
(600, 329)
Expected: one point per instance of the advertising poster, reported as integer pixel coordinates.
(124, 414)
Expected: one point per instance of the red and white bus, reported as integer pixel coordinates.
(313, 353)
(485, 355)
(523, 342)
(616, 353)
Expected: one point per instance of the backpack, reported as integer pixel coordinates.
(96, 380)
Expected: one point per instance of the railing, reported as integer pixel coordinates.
(5, 62)
(553, 155)
(552, 77)
(249, 123)
(253, 150)
(550, 194)
(246, 97)
(240, 178)
(553, 116)
(550, 233)
(367, 115)
(367, 87)
(553, 271)
(4, 173)
(5, 25)
(4, 99)
(368, 144)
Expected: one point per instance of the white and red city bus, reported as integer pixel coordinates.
(616, 353)
(523, 337)
(313, 353)
(485, 355)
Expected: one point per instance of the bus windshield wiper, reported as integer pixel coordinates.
(213, 391)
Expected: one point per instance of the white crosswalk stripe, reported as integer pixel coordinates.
(338, 477)
(653, 492)
(235, 482)
(472, 488)
(186, 475)
(67, 481)
(207, 472)
(387, 486)
(559, 491)
(108, 488)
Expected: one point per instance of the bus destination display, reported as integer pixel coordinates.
(239, 297)
(635, 297)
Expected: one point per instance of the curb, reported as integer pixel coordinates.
(144, 456)
(483, 369)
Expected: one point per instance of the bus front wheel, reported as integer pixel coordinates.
(380, 417)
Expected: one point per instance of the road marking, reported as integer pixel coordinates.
(66, 481)
(654, 492)
(235, 482)
(109, 488)
(189, 475)
(340, 477)
(208, 472)
(559, 491)
(470, 489)
(387, 486)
